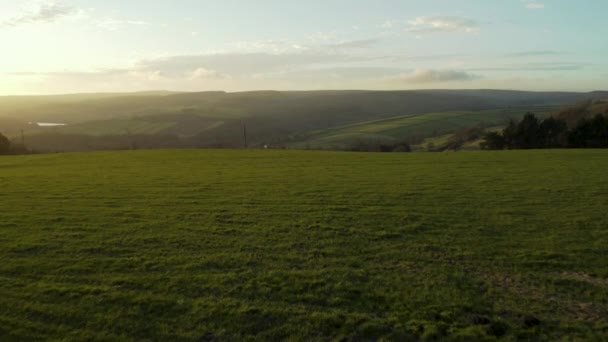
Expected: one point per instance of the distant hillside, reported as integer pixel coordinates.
(584, 110)
(217, 118)
(410, 128)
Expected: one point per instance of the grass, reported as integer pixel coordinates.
(442, 140)
(113, 127)
(240, 245)
(409, 127)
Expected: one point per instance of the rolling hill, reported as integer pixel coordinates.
(410, 127)
(271, 117)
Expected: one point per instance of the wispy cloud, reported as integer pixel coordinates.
(540, 66)
(432, 24)
(270, 46)
(238, 64)
(534, 5)
(400, 58)
(231, 66)
(294, 47)
(203, 73)
(421, 76)
(45, 12)
(388, 24)
(53, 11)
(534, 53)
(111, 24)
(352, 44)
(91, 73)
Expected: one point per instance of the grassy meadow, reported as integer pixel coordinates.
(195, 245)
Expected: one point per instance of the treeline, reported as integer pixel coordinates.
(552, 132)
(5, 144)
(63, 142)
(7, 147)
(82, 143)
(363, 146)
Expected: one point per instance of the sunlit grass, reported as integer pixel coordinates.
(195, 245)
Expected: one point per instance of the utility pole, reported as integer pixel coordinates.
(245, 135)
(132, 144)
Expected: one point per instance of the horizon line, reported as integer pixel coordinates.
(172, 92)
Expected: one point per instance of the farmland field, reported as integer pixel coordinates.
(408, 127)
(234, 245)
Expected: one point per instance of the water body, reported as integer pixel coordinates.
(48, 124)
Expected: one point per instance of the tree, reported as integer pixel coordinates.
(590, 133)
(525, 134)
(528, 132)
(553, 133)
(385, 148)
(5, 144)
(493, 141)
(509, 135)
(402, 147)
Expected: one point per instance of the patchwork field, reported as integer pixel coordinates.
(410, 127)
(236, 245)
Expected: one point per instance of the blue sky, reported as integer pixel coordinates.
(67, 46)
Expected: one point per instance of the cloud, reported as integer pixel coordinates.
(115, 24)
(435, 76)
(542, 66)
(534, 53)
(227, 71)
(98, 77)
(46, 12)
(401, 58)
(149, 75)
(388, 24)
(334, 73)
(353, 44)
(322, 37)
(213, 66)
(534, 5)
(52, 11)
(432, 24)
(241, 64)
(270, 46)
(93, 73)
(285, 47)
(203, 73)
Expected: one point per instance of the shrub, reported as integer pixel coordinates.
(5, 145)
(493, 141)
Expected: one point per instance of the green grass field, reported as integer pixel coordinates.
(273, 245)
(409, 127)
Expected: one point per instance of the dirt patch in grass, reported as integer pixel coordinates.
(584, 277)
(535, 290)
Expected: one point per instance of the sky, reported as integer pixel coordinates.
(77, 46)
